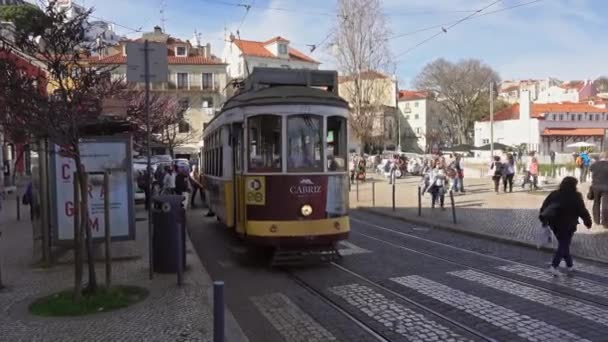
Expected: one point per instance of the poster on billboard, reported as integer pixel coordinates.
(99, 155)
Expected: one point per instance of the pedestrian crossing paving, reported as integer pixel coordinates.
(394, 316)
(590, 312)
(572, 283)
(289, 320)
(522, 325)
(595, 270)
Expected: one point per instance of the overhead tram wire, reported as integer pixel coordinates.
(331, 14)
(444, 29)
(424, 29)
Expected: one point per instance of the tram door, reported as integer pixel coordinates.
(238, 178)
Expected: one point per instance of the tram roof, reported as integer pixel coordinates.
(285, 95)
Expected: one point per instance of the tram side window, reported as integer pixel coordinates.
(304, 143)
(265, 143)
(337, 153)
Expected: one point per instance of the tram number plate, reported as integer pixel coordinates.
(255, 191)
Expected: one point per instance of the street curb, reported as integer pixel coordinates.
(233, 329)
(474, 234)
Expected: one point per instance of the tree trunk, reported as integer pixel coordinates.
(84, 217)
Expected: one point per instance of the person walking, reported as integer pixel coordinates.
(534, 173)
(459, 180)
(599, 190)
(437, 183)
(509, 173)
(496, 170)
(195, 185)
(142, 183)
(169, 181)
(561, 211)
(585, 164)
(552, 156)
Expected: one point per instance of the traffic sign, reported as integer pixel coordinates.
(158, 64)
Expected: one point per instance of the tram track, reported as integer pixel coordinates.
(469, 266)
(330, 302)
(367, 327)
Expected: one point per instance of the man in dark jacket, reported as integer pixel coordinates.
(561, 211)
(599, 188)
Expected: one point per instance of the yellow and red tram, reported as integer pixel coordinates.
(275, 160)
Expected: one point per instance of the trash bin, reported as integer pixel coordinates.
(169, 222)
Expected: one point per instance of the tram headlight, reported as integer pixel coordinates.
(306, 210)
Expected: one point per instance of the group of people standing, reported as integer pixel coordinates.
(173, 180)
(440, 177)
(505, 171)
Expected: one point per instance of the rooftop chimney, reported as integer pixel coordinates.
(158, 30)
(232, 37)
(207, 51)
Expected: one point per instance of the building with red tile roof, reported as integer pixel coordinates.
(195, 76)
(242, 56)
(546, 127)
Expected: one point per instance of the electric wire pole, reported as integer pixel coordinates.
(492, 120)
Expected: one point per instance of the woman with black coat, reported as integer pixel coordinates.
(561, 211)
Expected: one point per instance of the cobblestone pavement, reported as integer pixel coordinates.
(170, 313)
(404, 282)
(508, 216)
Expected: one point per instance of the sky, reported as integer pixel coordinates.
(548, 38)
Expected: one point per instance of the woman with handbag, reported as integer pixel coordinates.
(561, 211)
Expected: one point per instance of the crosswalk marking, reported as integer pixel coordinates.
(394, 316)
(592, 269)
(576, 284)
(571, 306)
(522, 325)
(348, 248)
(289, 320)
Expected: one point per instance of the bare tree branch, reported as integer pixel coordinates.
(363, 54)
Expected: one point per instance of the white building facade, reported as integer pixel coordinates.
(420, 121)
(546, 127)
(242, 56)
(97, 31)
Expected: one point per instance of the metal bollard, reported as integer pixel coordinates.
(419, 201)
(18, 206)
(453, 207)
(180, 256)
(1, 284)
(393, 195)
(357, 188)
(373, 193)
(218, 311)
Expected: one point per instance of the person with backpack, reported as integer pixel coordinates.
(583, 162)
(561, 211)
(496, 171)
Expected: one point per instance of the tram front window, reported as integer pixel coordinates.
(265, 143)
(336, 144)
(304, 143)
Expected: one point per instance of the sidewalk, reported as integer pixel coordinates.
(170, 313)
(511, 217)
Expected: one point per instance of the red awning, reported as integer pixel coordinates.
(574, 132)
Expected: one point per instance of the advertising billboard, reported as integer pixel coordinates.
(98, 155)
